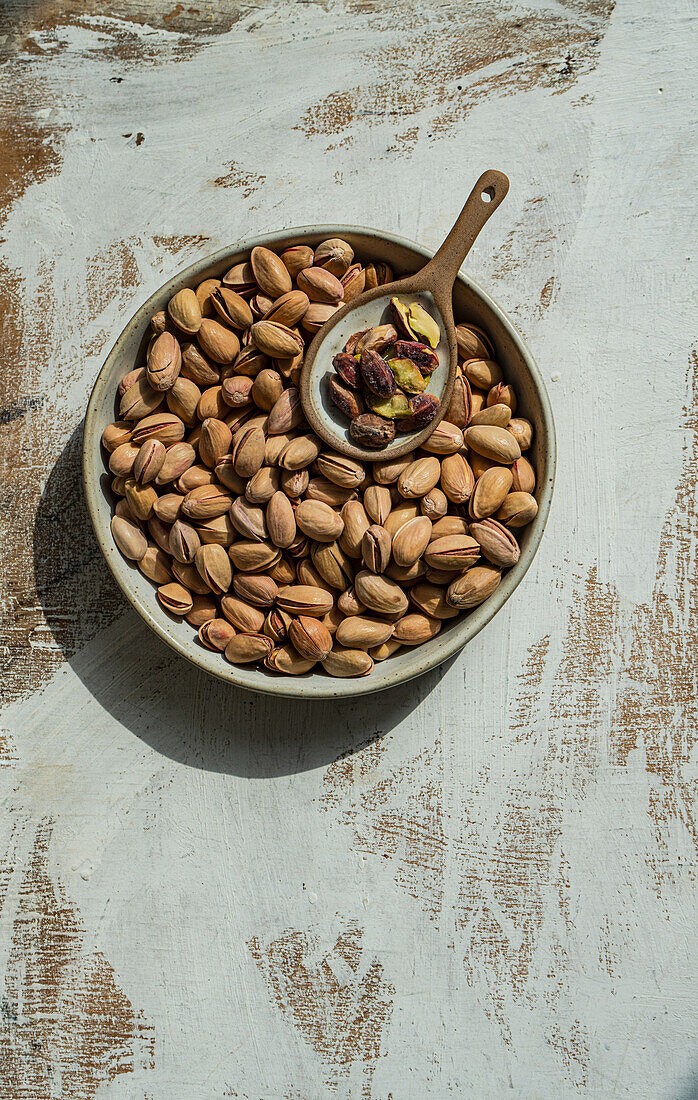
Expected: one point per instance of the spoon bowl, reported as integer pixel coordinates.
(432, 286)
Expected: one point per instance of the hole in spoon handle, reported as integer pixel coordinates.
(489, 191)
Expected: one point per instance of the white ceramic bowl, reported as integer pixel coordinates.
(470, 304)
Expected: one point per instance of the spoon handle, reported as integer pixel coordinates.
(489, 191)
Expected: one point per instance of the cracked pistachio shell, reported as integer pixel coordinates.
(516, 510)
(243, 615)
(245, 649)
(288, 661)
(229, 305)
(375, 548)
(305, 599)
(331, 564)
(310, 638)
(175, 598)
(523, 476)
(214, 567)
(164, 361)
(452, 552)
(498, 544)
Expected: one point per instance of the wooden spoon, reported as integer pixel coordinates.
(433, 287)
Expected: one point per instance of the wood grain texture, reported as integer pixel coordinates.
(481, 884)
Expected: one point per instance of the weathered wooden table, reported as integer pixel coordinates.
(482, 884)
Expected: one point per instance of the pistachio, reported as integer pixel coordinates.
(434, 505)
(406, 575)
(218, 341)
(401, 317)
(408, 375)
(243, 615)
(141, 498)
(155, 565)
(446, 439)
(377, 505)
(122, 460)
(423, 409)
(369, 430)
(483, 373)
(304, 599)
(382, 652)
(376, 374)
(431, 600)
(115, 435)
(390, 408)
(248, 519)
(378, 274)
(421, 355)
(214, 567)
(219, 529)
(452, 552)
(139, 400)
(375, 548)
(276, 625)
(288, 309)
(498, 415)
(178, 458)
(294, 482)
(197, 367)
(225, 473)
(419, 477)
(287, 660)
(203, 296)
(348, 662)
(286, 413)
(216, 633)
(356, 523)
(262, 485)
(281, 521)
(460, 409)
(473, 342)
(320, 285)
(490, 490)
(347, 400)
(160, 532)
(379, 593)
(316, 315)
(473, 587)
(183, 400)
(319, 521)
(188, 576)
(310, 638)
(332, 564)
(270, 272)
(250, 556)
(283, 572)
(185, 311)
(306, 572)
(259, 589)
(175, 598)
(494, 443)
(276, 340)
(523, 476)
(516, 510)
(340, 470)
(166, 427)
(214, 441)
(129, 537)
(203, 610)
(498, 544)
(205, 502)
(522, 431)
(244, 649)
(164, 361)
(400, 515)
(353, 282)
(231, 307)
(296, 258)
(411, 541)
(248, 451)
(388, 472)
(360, 632)
(334, 255)
(416, 628)
(502, 394)
(249, 362)
(299, 453)
(423, 324)
(349, 604)
(184, 541)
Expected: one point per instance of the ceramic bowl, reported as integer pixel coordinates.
(471, 303)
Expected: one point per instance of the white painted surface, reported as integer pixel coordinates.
(515, 853)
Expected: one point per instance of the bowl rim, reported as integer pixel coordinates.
(322, 687)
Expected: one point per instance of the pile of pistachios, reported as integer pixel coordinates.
(388, 368)
(277, 551)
